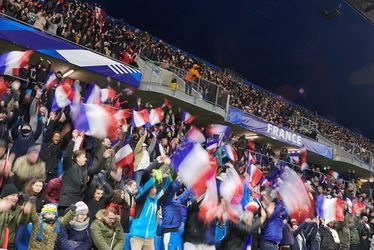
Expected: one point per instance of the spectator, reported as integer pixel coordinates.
(46, 226)
(190, 77)
(11, 214)
(76, 234)
(34, 193)
(106, 230)
(53, 189)
(28, 167)
(98, 201)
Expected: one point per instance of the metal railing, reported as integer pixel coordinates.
(354, 153)
(201, 88)
(306, 123)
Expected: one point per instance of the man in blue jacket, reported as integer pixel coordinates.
(272, 232)
(171, 214)
(144, 225)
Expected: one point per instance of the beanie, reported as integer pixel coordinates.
(47, 209)
(81, 208)
(8, 189)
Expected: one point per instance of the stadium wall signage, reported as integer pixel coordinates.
(276, 132)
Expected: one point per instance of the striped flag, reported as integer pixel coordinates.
(187, 117)
(124, 156)
(330, 209)
(12, 62)
(231, 152)
(140, 118)
(51, 81)
(156, 116)
(64, 96)
(195, 135)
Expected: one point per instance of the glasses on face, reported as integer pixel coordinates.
(112, 219)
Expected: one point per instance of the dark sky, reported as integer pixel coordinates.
(279, 45)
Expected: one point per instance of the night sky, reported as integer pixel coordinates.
(281, 46)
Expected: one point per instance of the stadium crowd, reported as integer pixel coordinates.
(63, 188)
(80, 22)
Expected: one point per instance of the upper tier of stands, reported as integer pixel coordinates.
(79, 22)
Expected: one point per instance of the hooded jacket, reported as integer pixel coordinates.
(103, 235)
(21, 142)
(145, 225)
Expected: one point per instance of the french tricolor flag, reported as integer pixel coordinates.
(156, 116)
(231, 152)
(51, 81)
(187, 117)
(92, 95)
(209, 206)
(232, 187)
(212, 145)
(107, 94)
(195, 135)
(194, 166)
(296, 198)
(331, 209)
(218, 129)
(12, 62)
(254, 174)
(251, 159)
(124, 157)
(64, 96)
(140, 118)
(94, 120)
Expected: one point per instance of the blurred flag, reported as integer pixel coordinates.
(140, 118)
(231, 152)
(195, 135)
(295, 196)
(254, 174)
(124, 156)
(51, 81)
(334, 174)
(4, 86)
(107, 94)
(187, 117)
(94, 120)
(209, 205)
(12, 62)
(194, 166)
(92, 95)
(218, 129)
(156, 116)
(212, 145)
(64, 96)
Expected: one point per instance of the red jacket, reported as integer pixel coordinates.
(53, 189)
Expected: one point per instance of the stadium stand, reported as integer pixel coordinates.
(141, 175)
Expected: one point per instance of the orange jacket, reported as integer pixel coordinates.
(192, 73)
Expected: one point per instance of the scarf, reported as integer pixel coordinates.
(79, 226)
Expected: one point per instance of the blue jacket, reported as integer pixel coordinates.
(22, 143)
(145, 225)
(69, 238)
(273, 227)
(171, 208)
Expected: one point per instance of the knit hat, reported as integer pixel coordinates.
(34, 148)
(8, 189)
(48, 209)
(81, 208)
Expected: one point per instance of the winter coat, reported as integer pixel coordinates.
(107, 181)
(144, 224)
(12, 219)
(53, 189)
(24, 171)
(344, 234)
(38, 200)
(103, 236)
(237, 234)
(40, 21)
(49, 234)
(352, 223)
(74, 179)
(194, 230)
(327, 240)
(171, 208)
(70, 239)
(22, 143)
